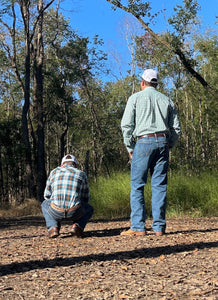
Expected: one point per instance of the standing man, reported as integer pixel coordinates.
(151, 119)
(66, 196)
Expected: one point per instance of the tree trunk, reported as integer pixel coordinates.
(29, 171)
(1, 180)
(38, 104)
(87, 163)
(63, 140)
(203, 152)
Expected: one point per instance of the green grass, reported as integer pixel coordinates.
(110, 196)
(191, 195)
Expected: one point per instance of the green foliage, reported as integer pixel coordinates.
(110, 196)
(139, 7)
(185, 17)
(193, 195)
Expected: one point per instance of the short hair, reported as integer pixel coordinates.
(154, 84)
(68, 157)
(70, 162)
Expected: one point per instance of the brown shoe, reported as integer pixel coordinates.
(77, 231)
(132, 232)
(53, 233)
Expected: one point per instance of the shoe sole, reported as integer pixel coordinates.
(133, 234)
(53, 236)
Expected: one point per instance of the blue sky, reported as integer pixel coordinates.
(90, 17)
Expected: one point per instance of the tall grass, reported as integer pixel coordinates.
(110, 196)
(193, 195)
(196, 196)
(187, 195)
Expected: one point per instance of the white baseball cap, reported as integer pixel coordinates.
(69, 158)
(150, 75)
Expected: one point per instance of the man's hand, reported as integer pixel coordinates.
(130, 158)
(130, 155)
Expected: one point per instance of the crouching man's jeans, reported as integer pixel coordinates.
(53, 217)
(149, 153)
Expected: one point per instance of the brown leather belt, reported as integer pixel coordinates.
(65, 210)
(151, 135)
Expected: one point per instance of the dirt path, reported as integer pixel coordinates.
(104, 265)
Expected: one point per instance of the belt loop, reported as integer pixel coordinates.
(65, 213)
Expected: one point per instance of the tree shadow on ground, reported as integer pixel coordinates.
(117, 231)
(101, 233)
(40, 221)
(101, 257)
(22, 221)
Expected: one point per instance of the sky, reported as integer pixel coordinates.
(91, 17)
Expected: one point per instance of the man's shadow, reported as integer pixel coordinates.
(116, 231)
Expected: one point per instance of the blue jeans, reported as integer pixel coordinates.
(149, 153)
(53, 217)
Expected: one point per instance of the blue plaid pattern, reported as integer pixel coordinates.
(67, 187)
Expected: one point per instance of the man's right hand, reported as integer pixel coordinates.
(130, 155)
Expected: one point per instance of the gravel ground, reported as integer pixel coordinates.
(104, 265)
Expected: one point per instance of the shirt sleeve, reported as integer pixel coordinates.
(85, 195)
(128, 124)
(174, 126)
(48, 191)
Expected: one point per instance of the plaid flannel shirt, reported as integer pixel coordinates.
(67, 186)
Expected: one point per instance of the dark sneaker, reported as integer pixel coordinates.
(53, 233)
(76, 230)
(132, 232)
(59, 226)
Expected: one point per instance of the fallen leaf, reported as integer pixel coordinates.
(162, 257)
(121, 296)
(98, 290)
(201, 273)
(153, 261)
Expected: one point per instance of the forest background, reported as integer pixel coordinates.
(54, 101)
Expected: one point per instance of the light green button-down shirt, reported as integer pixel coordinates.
(149, 111)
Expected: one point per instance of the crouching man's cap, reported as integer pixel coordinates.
(69, 158)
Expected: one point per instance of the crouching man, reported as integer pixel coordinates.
(67, 196)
